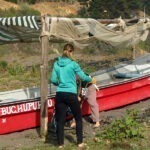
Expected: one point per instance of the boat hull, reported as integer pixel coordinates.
(21, 116)
(24, 115)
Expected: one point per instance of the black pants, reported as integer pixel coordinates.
(63, 100)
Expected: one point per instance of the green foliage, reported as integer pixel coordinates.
(145, 45)
(119, 129)
(134, 4)
(15, 69)
(146, 5)
(9, 13)
(82, 1)
(13, 1)
(24, 10)
(16, 76)
(27, 1)
(83, 13)
(90, 69)
(107, 9)
(31, 1)
(34, 1)
(3, 65)
(34, 71)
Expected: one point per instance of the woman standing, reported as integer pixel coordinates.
(63, 76)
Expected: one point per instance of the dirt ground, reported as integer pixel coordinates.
(30, 138)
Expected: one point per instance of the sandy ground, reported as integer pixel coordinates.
(30, 138)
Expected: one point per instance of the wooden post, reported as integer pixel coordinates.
(44, 79)
(133, 52)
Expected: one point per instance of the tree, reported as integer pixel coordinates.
(146, 6)
(107, 8)
(116, 8)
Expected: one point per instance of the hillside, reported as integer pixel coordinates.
(56, 9)
(7, 5)
(51, 8)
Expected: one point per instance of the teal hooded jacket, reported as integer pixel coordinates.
(64, 75)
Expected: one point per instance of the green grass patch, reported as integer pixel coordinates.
(119, 129)
(17, 76)
(24, 10)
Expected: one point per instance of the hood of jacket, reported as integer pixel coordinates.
(63, 61)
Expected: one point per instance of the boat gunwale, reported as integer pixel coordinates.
(123, 81)
(52, 95)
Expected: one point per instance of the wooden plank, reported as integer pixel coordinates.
(44, 79)
(133, 52)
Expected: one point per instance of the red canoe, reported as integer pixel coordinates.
(119, 86)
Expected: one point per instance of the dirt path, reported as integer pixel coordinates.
(30, 138)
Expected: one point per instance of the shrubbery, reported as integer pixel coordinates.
(119, 129)
(107, 9)
(24, 10)
(3, 65)
(19, 1)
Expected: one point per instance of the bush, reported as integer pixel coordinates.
(34, 71)
(3, 65)
(24, 10)
(13, 1)
(83, 13)
(15, 69)
(28, 1)
(9, 13)
(119, 129)
(145, 45)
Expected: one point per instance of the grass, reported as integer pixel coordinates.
(20, 78)
(14, 75)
